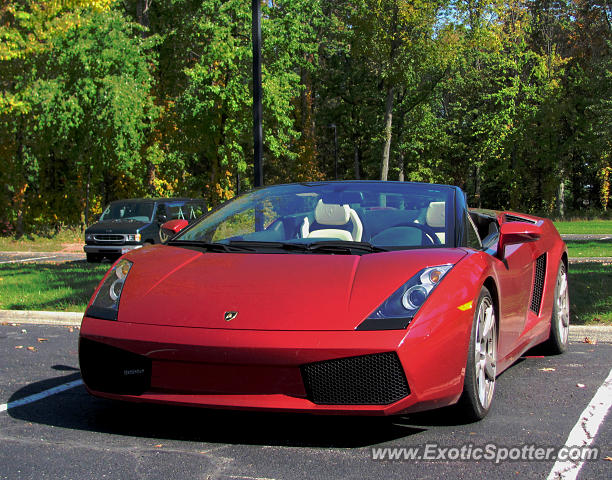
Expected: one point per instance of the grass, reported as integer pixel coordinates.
(584, 226)
(59, 287)
(591, 293)
(593, 248)
(43, 243)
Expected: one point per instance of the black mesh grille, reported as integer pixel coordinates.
(538, 283)
(365, 380)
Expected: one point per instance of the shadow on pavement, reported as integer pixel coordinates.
(76, 409)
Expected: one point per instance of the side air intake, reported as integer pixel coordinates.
(538, 284)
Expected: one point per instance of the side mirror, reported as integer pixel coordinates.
(513, 233)
(173, 227)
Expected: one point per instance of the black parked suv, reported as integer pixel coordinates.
(128, 224)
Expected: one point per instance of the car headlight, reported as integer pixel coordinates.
(133, 237)
(106, 303)
(396, 312)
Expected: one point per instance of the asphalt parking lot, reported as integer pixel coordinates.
(70, 434)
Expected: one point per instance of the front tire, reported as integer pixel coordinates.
(481, 367)
(559, 322)
(93, 257)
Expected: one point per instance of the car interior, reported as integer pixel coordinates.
(487, 226)
(423, 225)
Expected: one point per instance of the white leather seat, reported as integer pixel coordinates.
(436, 218)
(334, 215)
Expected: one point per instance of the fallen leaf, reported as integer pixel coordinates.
(159, 445)
(41, 340)
(4, 323)
(32, 349)
(70, 329)
(18, 346)
(590, 341)
(580, 385)
(596, 319)
(547, 369)
(609, 459)
(23, 330)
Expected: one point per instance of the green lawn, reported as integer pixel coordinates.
(591, 293)
(64, 287)
(593, 248)
(584, 226)
(42, 243)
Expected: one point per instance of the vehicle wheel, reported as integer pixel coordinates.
(559, 322)
(481, 367)
(163, 236)
(93, 257)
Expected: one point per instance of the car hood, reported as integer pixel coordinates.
(116, 226)
(181, 287)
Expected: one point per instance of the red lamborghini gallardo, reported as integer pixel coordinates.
(353, 297)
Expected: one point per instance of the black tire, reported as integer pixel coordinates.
(93, 257)
(479, 383)
(559, 322)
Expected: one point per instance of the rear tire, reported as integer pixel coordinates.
(559, 322)
(481, 367)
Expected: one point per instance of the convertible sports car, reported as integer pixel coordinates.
(371, 298)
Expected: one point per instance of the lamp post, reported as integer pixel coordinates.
(257, 94)
(333, 125)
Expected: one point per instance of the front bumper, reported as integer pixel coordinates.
(260, 370)
(106, 249)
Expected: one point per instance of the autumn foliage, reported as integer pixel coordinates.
(102, 99)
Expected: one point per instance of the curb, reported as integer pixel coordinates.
(577, 333)
(72, 319)
(594, 333)
(604, 260)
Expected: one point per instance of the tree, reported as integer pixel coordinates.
(84, 82)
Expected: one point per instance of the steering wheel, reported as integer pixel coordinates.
(426, 229)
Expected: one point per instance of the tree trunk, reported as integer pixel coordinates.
(561, 193)
(388, 126)
(142, 14)
(357, 161)
(477, 199)
(401, 166)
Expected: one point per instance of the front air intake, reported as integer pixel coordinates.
(364, 380)
(113, 370)
(538, 284)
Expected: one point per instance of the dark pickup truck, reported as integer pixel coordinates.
(128, 224)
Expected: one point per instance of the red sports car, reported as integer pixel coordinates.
(356, 297)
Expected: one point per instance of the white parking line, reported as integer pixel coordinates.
(584, 432)
(40, 395)
(27, 259)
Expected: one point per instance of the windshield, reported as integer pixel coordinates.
(136, 211)
(382, 214)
